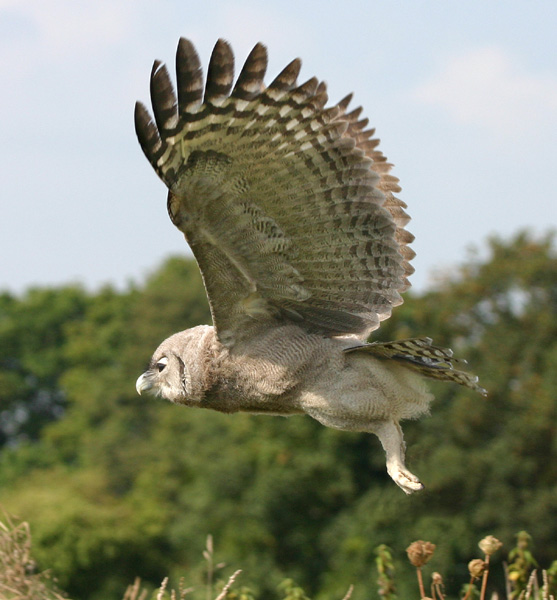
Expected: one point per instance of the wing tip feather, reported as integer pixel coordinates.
(220, 73)
(250, 81)
(286, 79)
(189, 76)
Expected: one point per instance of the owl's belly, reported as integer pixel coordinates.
(366, 391)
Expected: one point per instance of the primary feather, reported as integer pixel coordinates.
(291, 213)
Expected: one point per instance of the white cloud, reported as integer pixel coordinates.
(488, 87)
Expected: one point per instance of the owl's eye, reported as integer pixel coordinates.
(161, 364)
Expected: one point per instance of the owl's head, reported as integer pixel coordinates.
(178, 368)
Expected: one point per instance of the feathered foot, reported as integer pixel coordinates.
(391, 438)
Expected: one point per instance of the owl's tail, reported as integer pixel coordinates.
(419, 354)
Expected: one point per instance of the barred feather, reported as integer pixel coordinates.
(286, 79)
(250, 80)
(419, 354)
(220, 74)
(189, 77)
(165, 106)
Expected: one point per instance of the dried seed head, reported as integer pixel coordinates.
(436, 578)
(476, 567)
(489, 545)
(420, 552)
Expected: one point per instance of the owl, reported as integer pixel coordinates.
(290, 211)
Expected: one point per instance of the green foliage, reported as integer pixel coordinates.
(470, 592)
(521, 563)
(115, 485)
(291, 591)
(32, 335)
(242, 593)
(386, 572)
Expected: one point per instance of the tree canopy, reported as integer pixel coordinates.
(115, 485)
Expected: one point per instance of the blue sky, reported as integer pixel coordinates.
(463, 96)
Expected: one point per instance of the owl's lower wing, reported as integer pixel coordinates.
(419, 354)
(287, 206)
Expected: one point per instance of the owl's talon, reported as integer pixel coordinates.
(405, 480)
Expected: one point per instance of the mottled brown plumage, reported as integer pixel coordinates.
(289, 209)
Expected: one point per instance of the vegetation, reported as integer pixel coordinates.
(115, 485)
(20, 581)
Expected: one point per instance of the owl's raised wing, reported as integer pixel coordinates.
(287, 205)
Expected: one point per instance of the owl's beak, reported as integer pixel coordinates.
(144, 383)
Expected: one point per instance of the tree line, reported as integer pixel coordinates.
(116, 486)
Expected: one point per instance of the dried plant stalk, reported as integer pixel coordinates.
(348, 594)
(228, 585)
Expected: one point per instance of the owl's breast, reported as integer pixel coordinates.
(270, 373)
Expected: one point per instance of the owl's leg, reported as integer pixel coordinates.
(391, 438)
